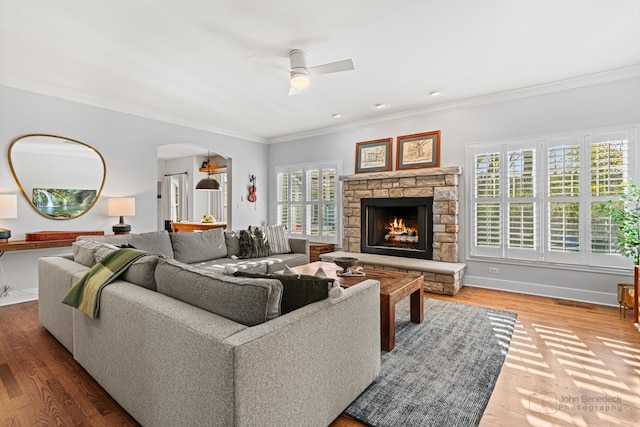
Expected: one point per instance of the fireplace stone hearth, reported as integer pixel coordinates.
(441, 184)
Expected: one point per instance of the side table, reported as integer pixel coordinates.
(318, 248)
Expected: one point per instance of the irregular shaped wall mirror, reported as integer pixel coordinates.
(60, 177)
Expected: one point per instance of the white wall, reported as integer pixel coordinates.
(599, 105)
(129, 146)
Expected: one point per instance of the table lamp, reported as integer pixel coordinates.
(8, 209)
(121, 206)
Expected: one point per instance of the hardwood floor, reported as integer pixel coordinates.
(562, 353)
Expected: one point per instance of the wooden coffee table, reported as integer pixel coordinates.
(394, 287)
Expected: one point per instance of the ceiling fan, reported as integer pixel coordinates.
(300, 72)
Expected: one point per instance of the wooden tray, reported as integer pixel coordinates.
(59, 235)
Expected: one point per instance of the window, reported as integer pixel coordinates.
(541, 199)
(307, 200)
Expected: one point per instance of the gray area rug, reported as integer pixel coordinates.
(442, 371)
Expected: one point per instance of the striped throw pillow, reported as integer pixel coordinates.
(277, 237)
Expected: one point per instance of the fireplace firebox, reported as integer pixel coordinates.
(397, 227)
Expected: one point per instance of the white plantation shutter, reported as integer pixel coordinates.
(541, 199)
(609, 169)
(488, 225)
(522, 203)
(308, 200)
(282, 198)
(487, 207)
(564, 181)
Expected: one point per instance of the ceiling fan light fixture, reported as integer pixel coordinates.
(299, 80)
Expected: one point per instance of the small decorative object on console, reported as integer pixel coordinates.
(208, 218)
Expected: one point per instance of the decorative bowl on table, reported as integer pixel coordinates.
(345, 263)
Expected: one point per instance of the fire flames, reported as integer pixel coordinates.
(398, 230)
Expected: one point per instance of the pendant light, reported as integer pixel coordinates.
(208, 183)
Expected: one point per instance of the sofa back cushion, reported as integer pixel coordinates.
(232, 240)
(84, 251)
(243, 300)
(141, 272)
(154, 242)
(198, 247)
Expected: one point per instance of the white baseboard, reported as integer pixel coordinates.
(18, 296)
(572, 294)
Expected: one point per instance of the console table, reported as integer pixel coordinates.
(25, 245)
(193, 226)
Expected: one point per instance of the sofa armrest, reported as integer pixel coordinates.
(299, 245)
(56, 275)
(306, 367)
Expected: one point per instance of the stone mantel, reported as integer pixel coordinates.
(412, 173)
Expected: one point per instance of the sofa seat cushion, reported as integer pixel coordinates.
(279, 262)
(243, 300)
(230, 265)
(270, 264)
(197, 247)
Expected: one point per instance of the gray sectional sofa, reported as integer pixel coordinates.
(193, 347)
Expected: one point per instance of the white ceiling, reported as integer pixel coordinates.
(210, 64)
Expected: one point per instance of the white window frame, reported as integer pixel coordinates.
(304, 168)
(541, 252)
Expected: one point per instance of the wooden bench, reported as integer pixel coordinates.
(439, 277)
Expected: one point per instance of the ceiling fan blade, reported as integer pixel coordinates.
(294, 90)
(332, 67)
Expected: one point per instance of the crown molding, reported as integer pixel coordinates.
(69, 94)
(542, 89)
(62, 92)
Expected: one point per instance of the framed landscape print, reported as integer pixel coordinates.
(373, 156)
(420, 150)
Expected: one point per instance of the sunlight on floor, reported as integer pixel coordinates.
(591, 385)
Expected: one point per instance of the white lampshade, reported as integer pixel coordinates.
(8, 206)
(121, 206)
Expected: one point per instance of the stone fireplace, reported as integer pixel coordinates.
(440, 185)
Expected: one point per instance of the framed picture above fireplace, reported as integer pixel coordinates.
(420, 150)
(374, 156)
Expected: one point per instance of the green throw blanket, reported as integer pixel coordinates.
(85, 293)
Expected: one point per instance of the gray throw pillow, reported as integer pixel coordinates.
(84, 251)
(278, 240)
(253, 244)
(299, 290)
(197, 247)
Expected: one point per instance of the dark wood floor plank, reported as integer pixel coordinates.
(9, 381)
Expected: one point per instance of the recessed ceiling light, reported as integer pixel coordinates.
(336, 115)
(434, 93)
(380, 106)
